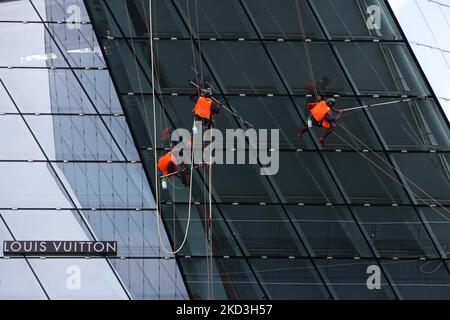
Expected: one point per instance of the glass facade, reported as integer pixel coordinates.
(69, 165)
(81, 164)
(375, 196)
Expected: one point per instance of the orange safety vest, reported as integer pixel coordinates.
(164, 162)
(319, 111)
(203, 108)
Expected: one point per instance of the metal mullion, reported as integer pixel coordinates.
(203, 58)
(340, 188)
(66, 192)
(80, 84)
(132, 128)
(26, 259)
(378, 135)
(330, 290)
(237, 39)
(380, 139)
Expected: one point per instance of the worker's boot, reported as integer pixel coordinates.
(301, 132)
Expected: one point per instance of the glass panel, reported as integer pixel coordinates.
(18, 282)
(19, 10)
(27, 47)
(241, 183)
(353, 129)
(218, 19)
(119, 129)
(151, 279)
(416, 125)
(127, 73)
(20, 145)
(100, 88)
(74, 138)
(348, 279)
(4, 235)
(139, 111)
(279, 19)
(176, 220)
(391, 68)
(232, 279)
(263, 230)
(46, 225)
(438, 221)
(61, 10)
(30, 185)
(135, 231)
(419, 280)
(106, 185)
(133, 16)
(78, 44)
(354, 19)
(54, 91)
(355, 171)
(396, 232)
(270, 113)
(328, 77)
(6, 104)
(97, 280)
(427, 175)
(330, 231)
(289, 279)
(303, 178)
(242, 67)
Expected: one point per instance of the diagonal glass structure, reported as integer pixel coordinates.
(375, 195)
(70, 169)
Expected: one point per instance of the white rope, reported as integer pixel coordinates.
(380, 104)
(155, 151)
(394, 178)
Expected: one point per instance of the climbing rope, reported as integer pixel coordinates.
(305, 47)
(383, 104)
(155, 150)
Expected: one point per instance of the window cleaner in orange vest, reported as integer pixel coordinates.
(167, 166)
(323, 114)
(205, 109)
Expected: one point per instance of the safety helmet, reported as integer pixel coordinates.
(207, 92)
(331, 102)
